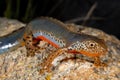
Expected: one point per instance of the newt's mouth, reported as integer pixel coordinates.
(90, 54)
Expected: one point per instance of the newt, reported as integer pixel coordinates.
(56, 34)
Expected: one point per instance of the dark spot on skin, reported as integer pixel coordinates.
(27, 43)
(24, 39)
(29, 48)
(60, 42)
(35, 49)
(30, 40)
(48, 44)
(28, 37)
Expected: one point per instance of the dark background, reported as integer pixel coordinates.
(107, 12)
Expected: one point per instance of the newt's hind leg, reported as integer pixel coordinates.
(30, 45)
(47, 64)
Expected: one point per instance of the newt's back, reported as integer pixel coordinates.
(54, 30)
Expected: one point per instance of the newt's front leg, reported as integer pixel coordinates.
(47, 64)
(97, 62)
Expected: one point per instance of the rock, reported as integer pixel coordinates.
(15, 65)
(9, 25)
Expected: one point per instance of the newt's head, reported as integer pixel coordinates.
(89, 46)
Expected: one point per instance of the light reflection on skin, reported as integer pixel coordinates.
(7, 46)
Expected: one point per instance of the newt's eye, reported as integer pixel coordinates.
(92, 44)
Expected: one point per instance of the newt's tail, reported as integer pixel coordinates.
(11, 41)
